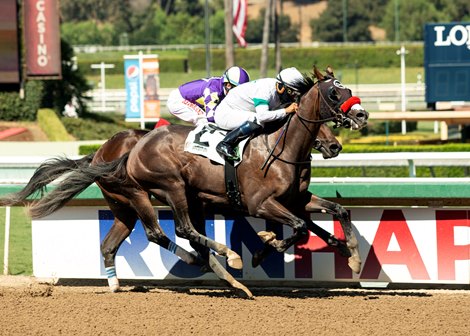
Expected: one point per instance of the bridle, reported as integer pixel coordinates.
(339, 111)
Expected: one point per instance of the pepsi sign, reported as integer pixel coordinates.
(133, 90)
(447, 61)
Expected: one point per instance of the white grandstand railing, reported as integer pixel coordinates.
(19, 169)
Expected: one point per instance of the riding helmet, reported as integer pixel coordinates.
(290, 77)
(236, 75)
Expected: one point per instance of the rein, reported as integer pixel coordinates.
(276, 156)
(304, 122)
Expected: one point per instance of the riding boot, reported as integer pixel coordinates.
(226, 148)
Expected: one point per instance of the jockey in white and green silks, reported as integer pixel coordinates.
(251, 105)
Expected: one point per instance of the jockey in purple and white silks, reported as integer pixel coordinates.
(251, 105)
(195, 101)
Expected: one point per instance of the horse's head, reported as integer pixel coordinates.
(326, 143)
(337, 101)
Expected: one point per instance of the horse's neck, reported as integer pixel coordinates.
(293, 142)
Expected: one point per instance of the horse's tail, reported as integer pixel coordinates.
(114, 171)
(47, 172)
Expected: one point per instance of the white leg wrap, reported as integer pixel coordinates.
(113, 284)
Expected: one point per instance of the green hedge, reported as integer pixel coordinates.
(12, 108)
(305, 58)
(174, 64)
(366, 148)
(374, 56)
(52, 126)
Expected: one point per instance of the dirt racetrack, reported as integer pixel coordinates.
(31, 308)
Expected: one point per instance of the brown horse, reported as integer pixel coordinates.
(125, 216)
(157, 165)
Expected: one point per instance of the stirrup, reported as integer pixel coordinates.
(227, 152)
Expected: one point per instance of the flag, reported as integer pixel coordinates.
(239, 20)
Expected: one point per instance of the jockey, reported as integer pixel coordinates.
(251, 105)
(196, 101)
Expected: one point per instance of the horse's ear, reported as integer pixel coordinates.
(317, 73)
(329, 71)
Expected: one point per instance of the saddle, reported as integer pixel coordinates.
(202, 141)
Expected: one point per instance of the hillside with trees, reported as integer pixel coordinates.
(140, 22)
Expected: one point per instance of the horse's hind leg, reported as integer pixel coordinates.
(185, 229)
(319, 204)
(154, 232)
(119, 231)
(198, 219)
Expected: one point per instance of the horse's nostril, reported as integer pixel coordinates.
(336, 148)
(363, 115)
(317, 144)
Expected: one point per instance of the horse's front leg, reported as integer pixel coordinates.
(317, 204)
(276, 212)
(327, 237)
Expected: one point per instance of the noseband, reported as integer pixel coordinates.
(338, 110)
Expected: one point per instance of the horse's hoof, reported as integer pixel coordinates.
(343, 250)
(113, 285)
(206, 269)
(266, 236)
(355, 264)
(256, 260)
(234, 260)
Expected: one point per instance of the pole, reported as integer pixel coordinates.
(345, 20)
(103, 87)
(265, 46)
(277, 38)
(103, 66)
(397, 21)
(207, 34)
(229, 53)
(141, 84)
(402, 52)
(7, 241)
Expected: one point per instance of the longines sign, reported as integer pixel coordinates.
(447, 61)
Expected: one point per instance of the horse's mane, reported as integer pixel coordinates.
(304, 86)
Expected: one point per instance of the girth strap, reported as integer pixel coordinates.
(231, 184)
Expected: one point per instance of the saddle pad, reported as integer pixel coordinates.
(203, 140)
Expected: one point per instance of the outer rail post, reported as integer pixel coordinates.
(412, 168)
(7, 241)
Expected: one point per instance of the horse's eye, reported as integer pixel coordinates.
(333, 94)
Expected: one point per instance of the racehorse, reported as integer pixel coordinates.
(125, 216)
(159, 166)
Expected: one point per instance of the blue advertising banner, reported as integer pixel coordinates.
(132, 75)
(447, 61)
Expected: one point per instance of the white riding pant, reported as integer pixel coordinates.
(184, 109)
(229, 119)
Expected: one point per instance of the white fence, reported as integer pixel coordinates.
(374, 97)
(18, 169)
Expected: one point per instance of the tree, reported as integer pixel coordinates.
(73, 84)
(254, 31)
(88, 32)
(415, 14)
(458, 10)
(360, 16)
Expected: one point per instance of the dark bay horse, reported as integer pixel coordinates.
(157, 165)
(124, 215)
